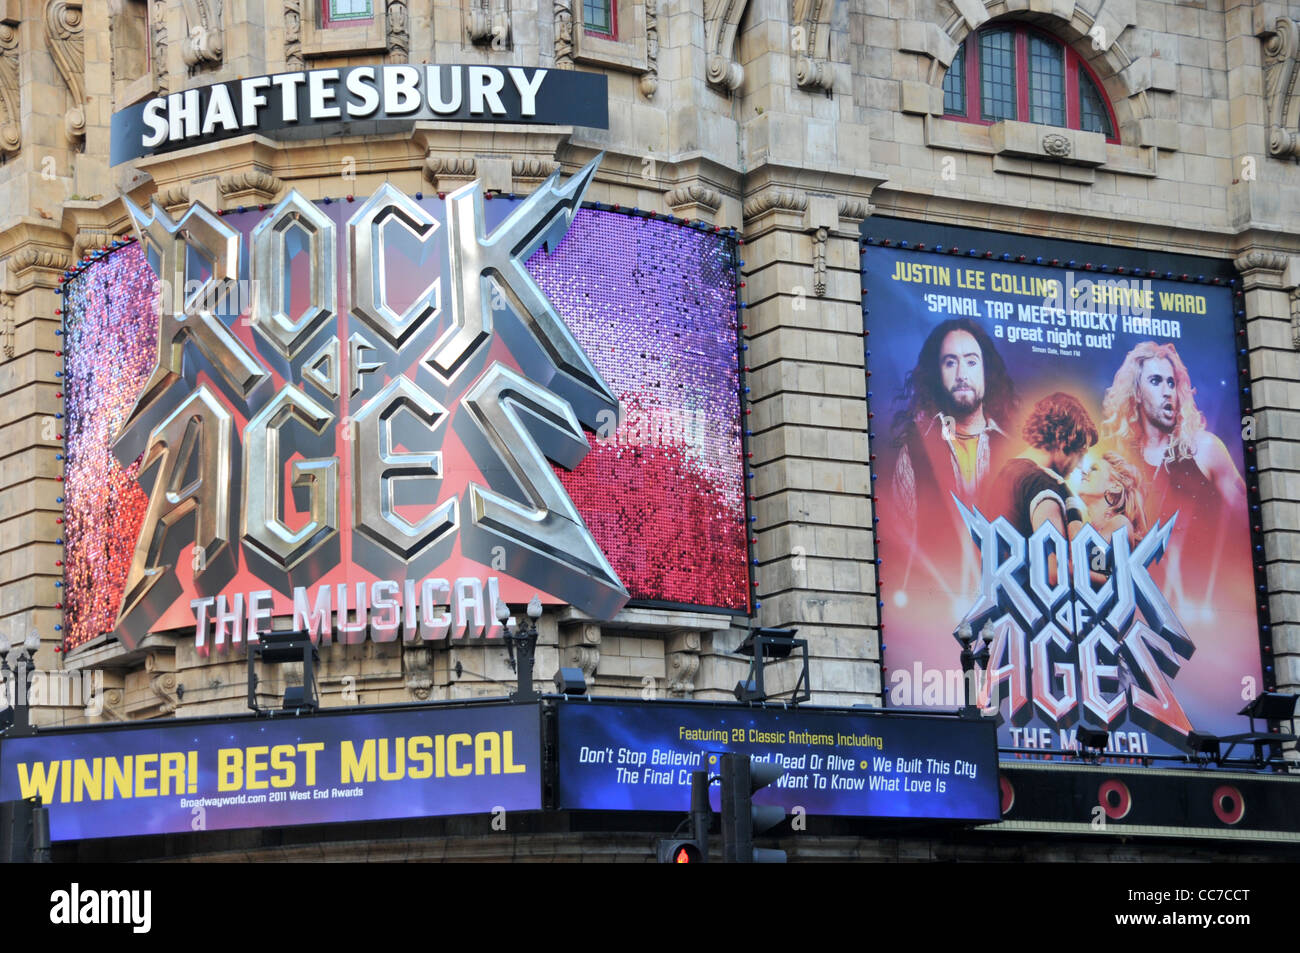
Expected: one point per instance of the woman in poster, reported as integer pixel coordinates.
(1112, 493)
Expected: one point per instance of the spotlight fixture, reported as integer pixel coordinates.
(776, 644)
(1205, 749)
(1092, 741)
(570, 681)
(1267, 707)
(279, 648)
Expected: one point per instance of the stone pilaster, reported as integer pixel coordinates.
(1270, 281)
(812, 473)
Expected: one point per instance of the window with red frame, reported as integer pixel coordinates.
(598, 17)
(1025, 75)
(339, 13)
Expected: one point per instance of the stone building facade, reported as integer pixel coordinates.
(792, 122)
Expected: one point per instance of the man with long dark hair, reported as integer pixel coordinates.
(948, 434)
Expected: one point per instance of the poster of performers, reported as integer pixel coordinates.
(1059, 476)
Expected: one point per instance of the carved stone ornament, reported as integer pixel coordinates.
(789, 200)
(204, 34)
(811, 43)
(173, 198)
(10, 115)
(1295, 318)
(293, 58)
(114, 708)
(1260, 259)
(650, 78)
(7, 324)
(32, 256)
(417, 662)
(682, 668)
(1055, 144)
(90, 239)
(693, 195)
(489, 23)
(532, 167)
(262, 185)
(721, 21)
(436, 166)
(819, 262)
(67, 43)
(163, 684)
(563, 12)
(1279, 89)
(855, 209)
(581, 646)
(682, 662)
(158, 24)
(398, 36)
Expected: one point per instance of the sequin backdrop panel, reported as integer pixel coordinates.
(111, 327)
(654, 306)
(652, 303)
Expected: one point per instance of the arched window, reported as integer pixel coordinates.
(1014, 71)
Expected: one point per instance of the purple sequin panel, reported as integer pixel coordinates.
(111, 326)
(654, 306)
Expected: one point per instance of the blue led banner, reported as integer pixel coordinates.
(269, 773)
(640, 758)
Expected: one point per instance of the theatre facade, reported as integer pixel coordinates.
(945, 350)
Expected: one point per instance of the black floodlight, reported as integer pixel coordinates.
(279, 648)
(570, 681)
(1268, 707)
(762, 645)
(1204, 748)
(1092, 741)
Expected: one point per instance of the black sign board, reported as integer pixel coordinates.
(358, 100)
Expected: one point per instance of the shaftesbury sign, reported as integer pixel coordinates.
(352, 393)
(357, 100)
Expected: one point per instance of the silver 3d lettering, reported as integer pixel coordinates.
(357, 461)
(1072, 646)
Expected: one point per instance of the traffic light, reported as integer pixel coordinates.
(741, 819)
(680, 852)
(695, 849)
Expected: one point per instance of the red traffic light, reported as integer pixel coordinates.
(680, 852)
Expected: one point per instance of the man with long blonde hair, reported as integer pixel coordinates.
(1149, 414)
